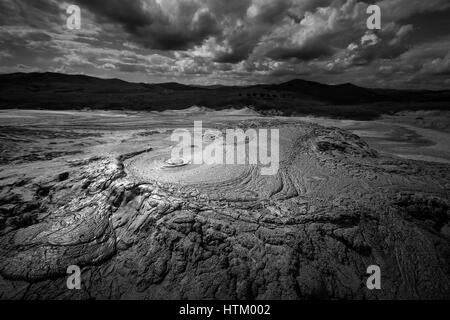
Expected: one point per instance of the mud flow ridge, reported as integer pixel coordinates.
(138, 230)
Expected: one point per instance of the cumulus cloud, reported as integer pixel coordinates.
(165, 25)
(229, 41)
(394, 10)
(437, 66)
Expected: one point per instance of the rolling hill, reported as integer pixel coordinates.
(62, 91)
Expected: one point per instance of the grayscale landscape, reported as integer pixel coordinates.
(90, 188)
(224, 153)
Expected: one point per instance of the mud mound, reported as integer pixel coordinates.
(310, 231)
(339, 142)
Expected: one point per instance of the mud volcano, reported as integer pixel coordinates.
(141, 229)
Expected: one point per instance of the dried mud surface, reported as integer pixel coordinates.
(74, 195)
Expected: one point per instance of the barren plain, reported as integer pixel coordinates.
(83, 188)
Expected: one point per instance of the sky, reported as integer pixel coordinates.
(232, 42)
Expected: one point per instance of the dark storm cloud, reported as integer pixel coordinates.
(241, 44)
(36, 14)
(50, 7)
(261, 17)
(373, 47)
(307, 52)
(232, 41)
(378, 52)
(150, 26)
(239, 54)
(130, 14)
(164, 36)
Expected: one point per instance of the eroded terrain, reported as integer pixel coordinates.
(84, 189)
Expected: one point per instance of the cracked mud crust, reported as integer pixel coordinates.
(335, 207)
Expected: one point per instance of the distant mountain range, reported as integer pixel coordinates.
(62, 91)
